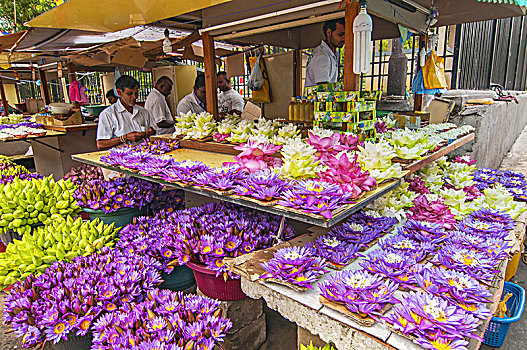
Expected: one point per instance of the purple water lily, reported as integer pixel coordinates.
(492, 215)
(424, 231)
(296, 265)
(224, 179)
(334, 250)
(360, 291)
(315, 197)
(265, 185)
(476, 227)
(110, 196)
(398, 266)
(209, 233)
(68, 297)
(458, 288)
(428, 318)
(416, 249)
(164, 320)
(476, 264)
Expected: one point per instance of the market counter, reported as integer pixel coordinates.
(54, 157)
(305, 309)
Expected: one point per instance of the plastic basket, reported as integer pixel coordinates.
(121, 217)
(75, 342)
(181, 278)
(497, 329)
(216, 287)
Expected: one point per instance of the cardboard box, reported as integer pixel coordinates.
(329, 87)
(337, 117)
(74, 119)
(337, 96)
(411, 120)
(34, 105)
(371, 95)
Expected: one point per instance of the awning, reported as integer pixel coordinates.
(298, 23)
(466, 11)
(511, 2)
(111, 16)
(7, 41)
(50, 40)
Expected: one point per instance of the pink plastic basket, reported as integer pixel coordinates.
(216, 287)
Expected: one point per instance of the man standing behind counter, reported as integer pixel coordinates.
(124, 121)
(323, 64)
(229, 100)
(157, 106)
(196, 101)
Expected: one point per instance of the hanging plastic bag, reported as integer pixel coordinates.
(434, 72)
(256, 79)
(264, 94)
(116, 75)
(418, 86)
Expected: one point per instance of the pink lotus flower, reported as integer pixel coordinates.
(432, 211)
(325, 146)
(349, 142)
(219, 137)
(256, 156)
(465, 160)
(472, 192)
(348, 175)
(417, 185)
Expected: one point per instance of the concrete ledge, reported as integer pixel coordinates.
(329, 330)
(497, 128)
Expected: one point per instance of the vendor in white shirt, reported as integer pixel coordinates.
(157, 106)
(124, 121)
(196, 101)
(323, 64)
(229, 100)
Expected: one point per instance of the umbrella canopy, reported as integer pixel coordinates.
(110, 16)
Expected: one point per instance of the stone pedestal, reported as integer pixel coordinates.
(248, 324)
(395, 105)
(397, 71)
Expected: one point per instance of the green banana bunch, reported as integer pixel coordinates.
(5, 159)
(24, 203)
(328, 346)
(63, 239)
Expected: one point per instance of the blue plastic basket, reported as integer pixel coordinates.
(497, 329)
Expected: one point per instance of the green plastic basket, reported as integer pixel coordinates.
(120, 217)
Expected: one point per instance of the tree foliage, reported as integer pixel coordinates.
(26, 10)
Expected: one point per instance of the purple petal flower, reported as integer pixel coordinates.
(295, 265)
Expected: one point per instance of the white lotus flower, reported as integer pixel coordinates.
(322, 132)
(410, 153)
(394, 171)
(298, 150)
(376, 155)
(259, 139)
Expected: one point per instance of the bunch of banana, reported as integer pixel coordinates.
(63, 239)
(5, 159)
(24, 203)
(12, 169)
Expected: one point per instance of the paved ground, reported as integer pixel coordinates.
(517, 336)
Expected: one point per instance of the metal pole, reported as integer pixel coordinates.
(14, 16)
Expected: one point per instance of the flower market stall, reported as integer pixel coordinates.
(192, 161)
